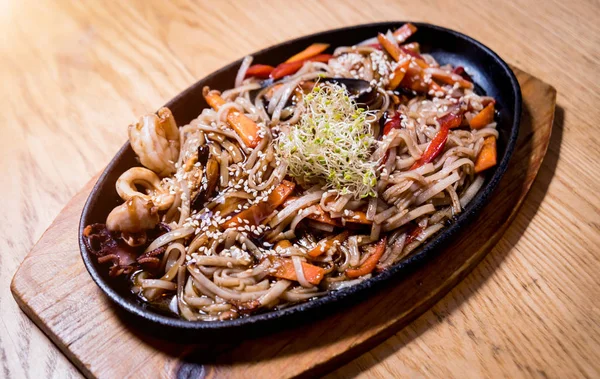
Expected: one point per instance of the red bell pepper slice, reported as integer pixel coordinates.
(261, 71)
(436, 146)
(413, 234)
(412, 53)
(451, 120)
(285, 69)
(460, 70)
(391, 124)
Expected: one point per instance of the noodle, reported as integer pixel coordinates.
(283, 188)
(242, 71)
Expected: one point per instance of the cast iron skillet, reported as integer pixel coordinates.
(492, 76)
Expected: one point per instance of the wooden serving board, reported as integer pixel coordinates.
(54, 289)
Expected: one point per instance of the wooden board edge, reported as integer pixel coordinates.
(343, 356)
(17, 292)
(56, 340)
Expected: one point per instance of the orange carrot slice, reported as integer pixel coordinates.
(391, 47)
(413, 46)
(244, 126)
(399, 73)
(369, 264)
(327, 243)
(283, 244)
(404, 32)
(280, 193)
(321, 216)
(414, 79)
(487, 155)
(435, 89)
(358, 217)
(449, 77)
(311, 51)
(483, 118)
(254, 216)
(285, 270)
(257, 213)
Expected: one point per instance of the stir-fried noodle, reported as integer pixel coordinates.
(302, 179)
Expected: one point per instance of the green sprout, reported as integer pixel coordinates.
(332, 143)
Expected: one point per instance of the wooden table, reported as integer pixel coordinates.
(75, 74)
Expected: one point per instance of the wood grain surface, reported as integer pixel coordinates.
(61, 307)
(75, 73)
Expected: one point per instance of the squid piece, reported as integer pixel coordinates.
(155, 139)
(133, 216)
(107, 249)
(142, 177)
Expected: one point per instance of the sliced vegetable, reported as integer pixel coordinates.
(252, 216)
(391, 47)
(280, 193)
(311, 51)
(483, 118)
(451, 120)
(448, 77)
(435, 147)
(435, 89)
(414, 233)
(404, 32)
(322, 216)
(229, 206)
(414, 80)
(257, 213)
(398, 53)
(357, 217)
(323, 58)
(487, 155)
(486, 100)
(285, 270)
(283, 244)
(244, 126)
(203, 154)
(412, 53)
(416, 57)
(213, 98)
(369, 264)
(460, 70)
(261, 71)
(285, 69)
(392, 123)
(327, 243)
(413, 46)
(398, 74)
(375, 45)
